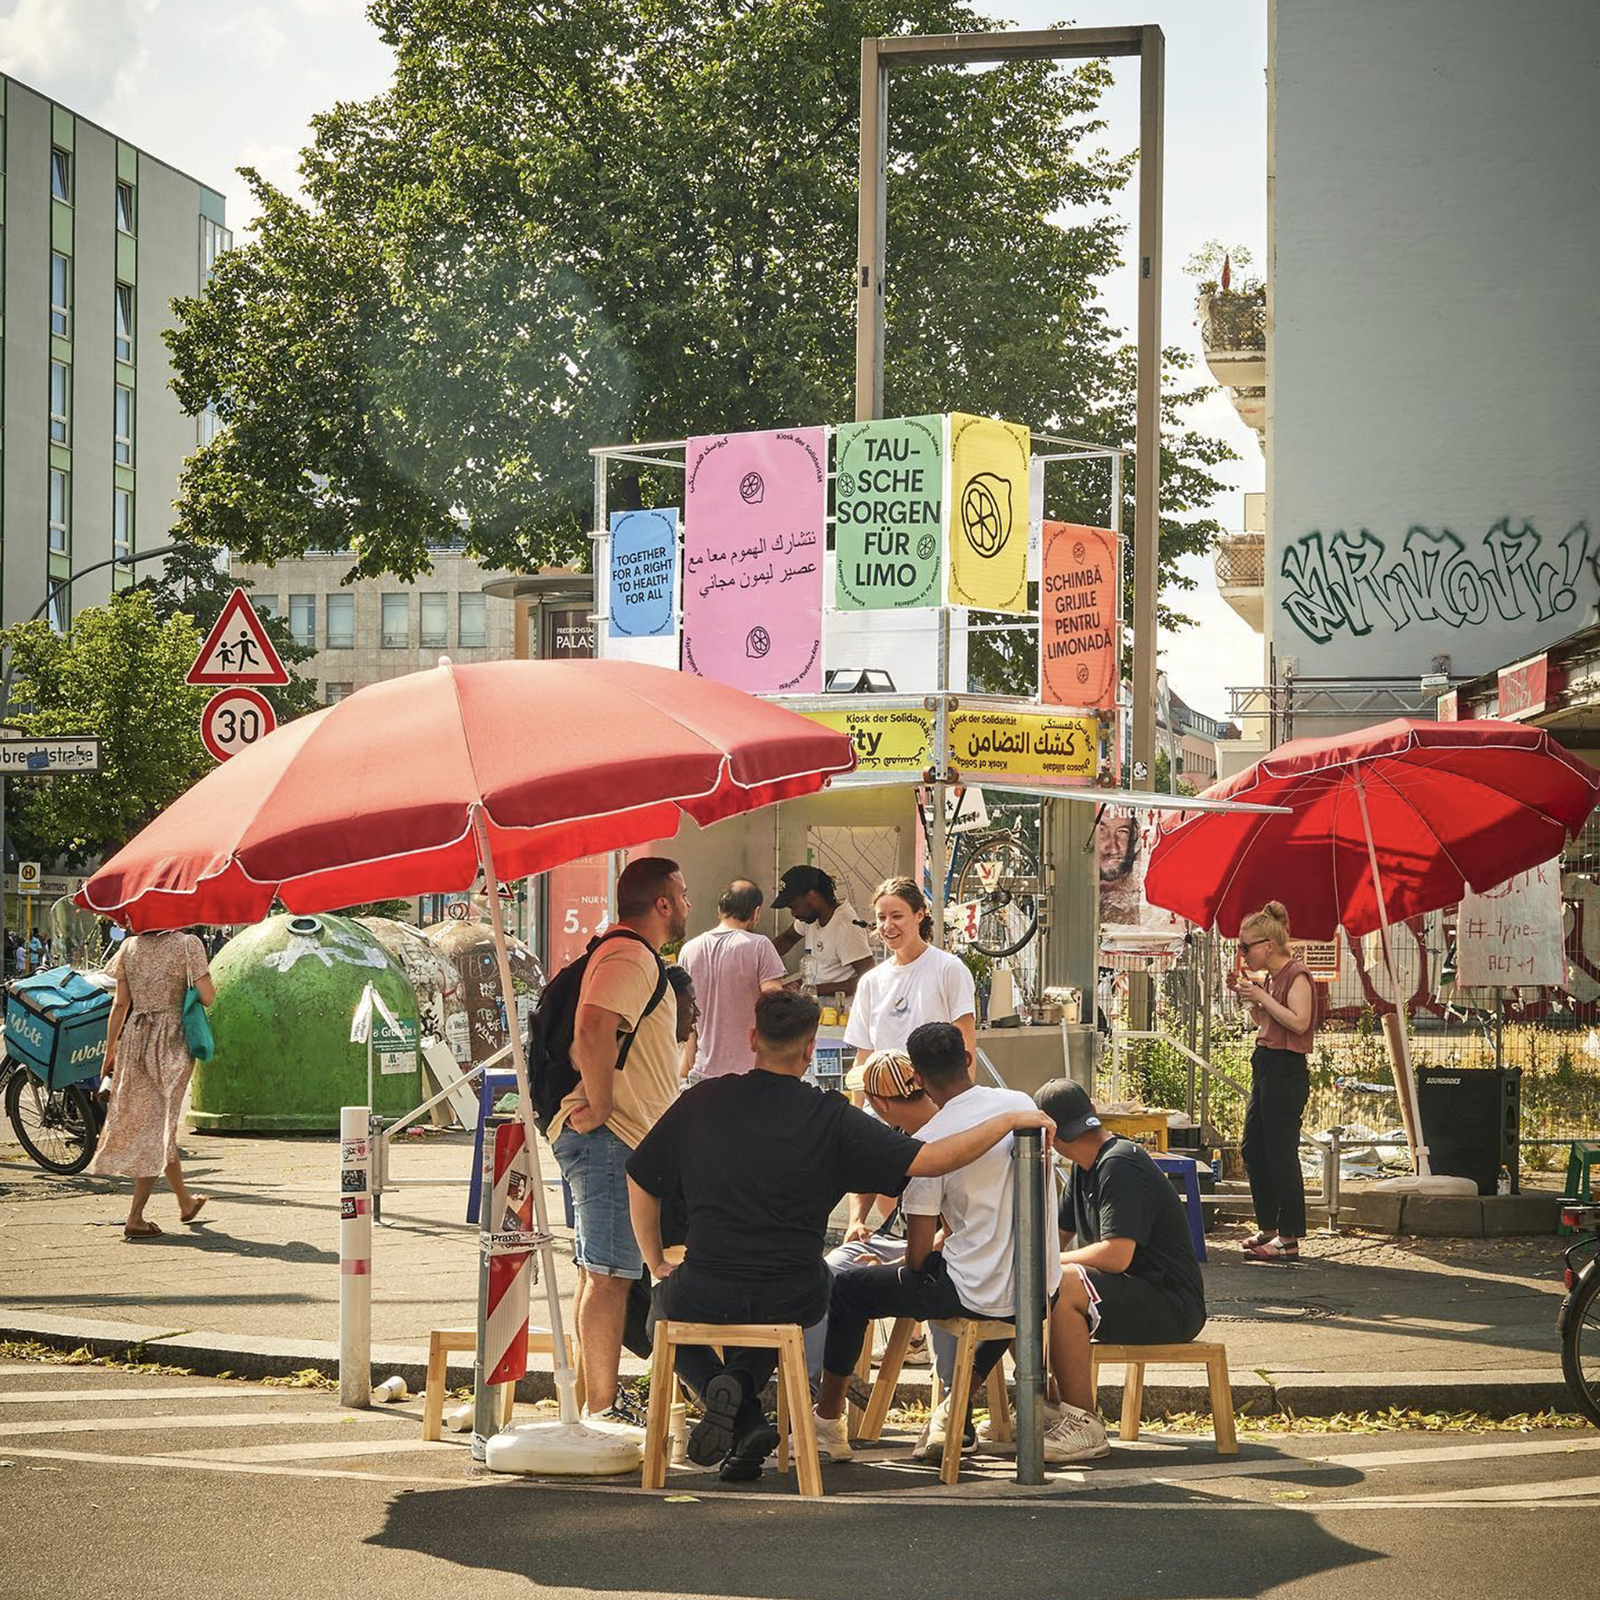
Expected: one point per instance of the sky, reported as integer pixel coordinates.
(211, 86)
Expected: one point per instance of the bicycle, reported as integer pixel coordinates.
(1578, 1321)
(55, 1027)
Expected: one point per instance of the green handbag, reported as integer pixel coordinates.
(197, 1026)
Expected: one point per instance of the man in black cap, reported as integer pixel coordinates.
(1130, 1277)
(834, 934)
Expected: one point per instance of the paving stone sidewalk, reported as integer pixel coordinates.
(1363, 1321)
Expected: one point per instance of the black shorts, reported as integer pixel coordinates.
(1139, 1311)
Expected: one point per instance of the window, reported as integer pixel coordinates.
(60, 509)
(124, 208)
(124, 322)
(266, 604)
(123, 414)
(58, 402)
(303, 620)
(341, 622)
(60, 293)
(61, 174)
(210, 423)
(335, 692)
(395, 631)
(435, 621)
(214, 239)
(57, 614)
(121, 524)
(472, 626)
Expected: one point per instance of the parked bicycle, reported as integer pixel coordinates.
(55, 1049)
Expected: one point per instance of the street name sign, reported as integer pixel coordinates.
(47, 756)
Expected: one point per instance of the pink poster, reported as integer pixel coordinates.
(754, 511)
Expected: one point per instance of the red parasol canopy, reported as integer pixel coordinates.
(1434, 807)
(375, 796)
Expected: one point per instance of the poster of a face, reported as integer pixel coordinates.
(1118, 849)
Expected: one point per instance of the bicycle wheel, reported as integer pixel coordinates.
(1001, 876)
(57, 1129)
(1580, 1348)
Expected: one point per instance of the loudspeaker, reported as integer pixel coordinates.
(1472, 1122)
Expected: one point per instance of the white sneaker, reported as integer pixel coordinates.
(1078, 1436)
(930, 1442)
(833, 1438)
(1052, 1415)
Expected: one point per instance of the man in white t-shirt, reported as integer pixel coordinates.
(972, 1275)
(835, 935)
(732, 967)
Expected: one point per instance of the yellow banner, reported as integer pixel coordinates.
(1023, 744)
(885, 741)
(1018, 745)
(988, 513)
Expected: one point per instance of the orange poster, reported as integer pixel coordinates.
(1078, 634)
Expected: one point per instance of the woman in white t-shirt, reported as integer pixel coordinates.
(916, 984)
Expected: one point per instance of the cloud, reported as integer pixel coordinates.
(87, 54)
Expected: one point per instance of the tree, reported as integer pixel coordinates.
(118, 676)
(621, 219)
(194, 581)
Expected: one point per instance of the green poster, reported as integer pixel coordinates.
(888, 499)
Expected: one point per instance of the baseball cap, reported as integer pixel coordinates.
(1067, 1105)
(798, 881)
(888, 1075)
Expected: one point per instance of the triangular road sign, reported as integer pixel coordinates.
(237, 650)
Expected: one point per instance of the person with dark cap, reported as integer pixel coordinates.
(1129, 1275)
(834, 934)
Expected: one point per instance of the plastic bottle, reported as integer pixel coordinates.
(1502, 1184)
(808, 975)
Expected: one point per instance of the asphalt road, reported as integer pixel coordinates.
(116, 1484)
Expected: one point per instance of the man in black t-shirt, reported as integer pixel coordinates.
(763, 1158)
(1131, 1276)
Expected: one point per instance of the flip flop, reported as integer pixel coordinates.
(148, 1231)
(1276, 1254)
(194, 1210)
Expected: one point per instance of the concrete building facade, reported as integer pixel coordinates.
(99, 238)
(381, 628)
(1432, 357)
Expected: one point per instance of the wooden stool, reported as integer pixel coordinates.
(1136, 1357)
(794, 1393)
(969, 1335)
(443, 1340)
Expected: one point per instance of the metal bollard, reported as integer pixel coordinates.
(1027, 1154)
(1330, 1189)
(355, 1257)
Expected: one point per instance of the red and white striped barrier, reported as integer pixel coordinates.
(511, 1209)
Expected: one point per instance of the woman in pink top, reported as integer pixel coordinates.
(1282, 1001)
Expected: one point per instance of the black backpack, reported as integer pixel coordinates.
(551, 1074)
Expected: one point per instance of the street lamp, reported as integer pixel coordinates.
(55, 590)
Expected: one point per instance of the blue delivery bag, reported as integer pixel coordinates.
(56, 1024)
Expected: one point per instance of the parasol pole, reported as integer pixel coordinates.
(1399, 1045)
(565, 1380)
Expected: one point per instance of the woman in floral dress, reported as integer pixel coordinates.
(148, 1063)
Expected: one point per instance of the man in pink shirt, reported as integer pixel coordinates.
(732, 966)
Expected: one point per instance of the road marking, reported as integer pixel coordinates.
(1495, 1493)
(34, 1397)
(147, 1424)
(1370, 1459)
(313, 1450)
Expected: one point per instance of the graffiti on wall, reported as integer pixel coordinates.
(1352, 584)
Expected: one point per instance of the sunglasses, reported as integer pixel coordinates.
(1247, 945)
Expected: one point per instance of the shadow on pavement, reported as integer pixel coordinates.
(785, 1549)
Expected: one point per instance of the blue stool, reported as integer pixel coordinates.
(1183, 1167)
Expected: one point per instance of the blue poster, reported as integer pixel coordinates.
(644, 572)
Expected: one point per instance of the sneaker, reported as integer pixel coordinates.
(1078, 1436)
(714, 1434)
(743, 1463)
(623, 1412)
(833, 1438)
(930, 1442)
(1052, 1415)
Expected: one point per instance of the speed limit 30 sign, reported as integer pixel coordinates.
(234, 720)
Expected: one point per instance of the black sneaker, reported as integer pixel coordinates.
(744, 1461)
(713, 1437)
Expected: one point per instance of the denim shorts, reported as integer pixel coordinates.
(594, 1165)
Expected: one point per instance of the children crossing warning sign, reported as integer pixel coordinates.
(237, 650)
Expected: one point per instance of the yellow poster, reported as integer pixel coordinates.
(988, 513)
(885, 741)
(1020, 745)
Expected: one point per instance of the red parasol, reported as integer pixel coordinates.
(375, 797)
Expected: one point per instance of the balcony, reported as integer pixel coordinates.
(1233, 331)
(1241, 565)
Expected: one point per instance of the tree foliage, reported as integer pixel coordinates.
(118, 675)
(632, 219)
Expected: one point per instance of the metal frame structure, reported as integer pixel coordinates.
(884, 55)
